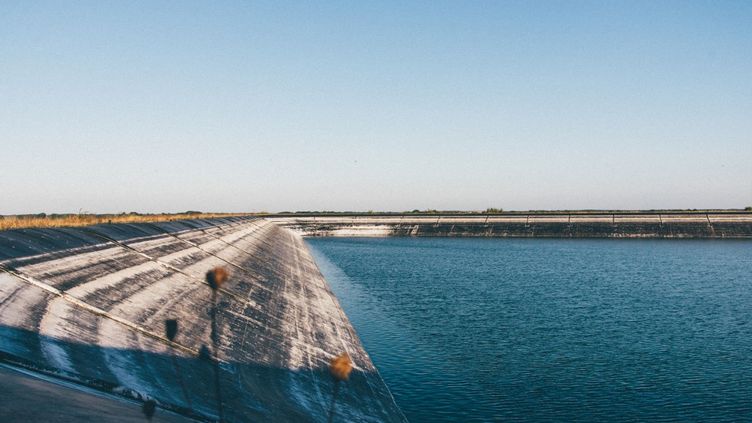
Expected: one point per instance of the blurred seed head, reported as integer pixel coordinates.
(171, 329)
(340, 367)
(216, 277)
(204, 353)
(149, 407)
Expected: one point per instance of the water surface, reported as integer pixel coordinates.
(552, 330)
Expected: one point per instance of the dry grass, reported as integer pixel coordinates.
(40, 221)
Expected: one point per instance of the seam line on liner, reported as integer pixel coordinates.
(96, 310)
(197, 246)
(103, 313)
(169, 266)
(237, 297)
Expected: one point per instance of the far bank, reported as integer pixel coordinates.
(625, 224)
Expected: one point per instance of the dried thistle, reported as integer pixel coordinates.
(204, 353)
(216, 277)
(171, 329)
(340, 367)
(148, 408)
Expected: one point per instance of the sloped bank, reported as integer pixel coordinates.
(534, 225)
(90, 305)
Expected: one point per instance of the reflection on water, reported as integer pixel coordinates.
(552, 330)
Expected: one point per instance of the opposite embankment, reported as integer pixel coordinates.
(90, 304)
(533, 225)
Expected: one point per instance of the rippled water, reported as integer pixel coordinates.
(552, 330)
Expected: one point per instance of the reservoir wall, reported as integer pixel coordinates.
(556, 225)
(90, 305)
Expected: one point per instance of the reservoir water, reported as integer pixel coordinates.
(542, 330)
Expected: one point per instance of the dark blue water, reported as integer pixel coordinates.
(552, 330)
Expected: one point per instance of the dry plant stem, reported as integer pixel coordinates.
(334, 401)
(215, 345)
(171, 331)
(182, 383)
(340, 368)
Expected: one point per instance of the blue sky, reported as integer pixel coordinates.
(248, 106)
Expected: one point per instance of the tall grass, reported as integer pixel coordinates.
(85, 219)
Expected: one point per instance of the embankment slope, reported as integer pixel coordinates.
(89, 304)
(529, 225)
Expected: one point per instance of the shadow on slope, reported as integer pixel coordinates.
(185, 384)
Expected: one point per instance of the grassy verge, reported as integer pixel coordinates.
(58, 220)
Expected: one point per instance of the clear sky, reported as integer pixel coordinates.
(246, 106)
